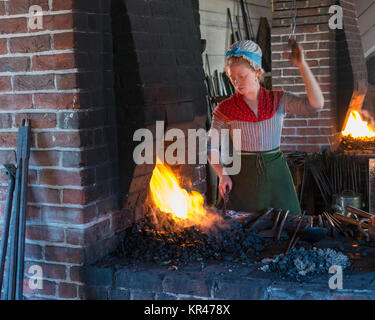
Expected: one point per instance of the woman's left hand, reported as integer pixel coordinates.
(296, 56)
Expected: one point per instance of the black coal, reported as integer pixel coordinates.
(229, 240)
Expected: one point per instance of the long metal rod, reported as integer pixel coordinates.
(10, 171)
(14, 235)
(244, 17)
(25, 132)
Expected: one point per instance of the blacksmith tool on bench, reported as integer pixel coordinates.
(225, 202)
(260, 218)
(270, 233)
(282, 225)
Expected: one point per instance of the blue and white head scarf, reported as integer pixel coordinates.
(249, 50)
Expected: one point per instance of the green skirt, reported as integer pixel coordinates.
(264, 181)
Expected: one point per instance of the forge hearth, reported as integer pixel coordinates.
(116, 278)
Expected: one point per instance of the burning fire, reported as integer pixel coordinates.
(356, 127)
(169, 197)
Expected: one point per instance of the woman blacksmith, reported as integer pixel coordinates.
(264, 180)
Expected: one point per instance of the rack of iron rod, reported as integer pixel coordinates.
(14, 224)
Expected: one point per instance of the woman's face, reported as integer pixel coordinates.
(243, 78)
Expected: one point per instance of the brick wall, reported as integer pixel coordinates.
(62, 78)
(314, 131)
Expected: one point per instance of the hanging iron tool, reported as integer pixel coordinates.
(292, 41)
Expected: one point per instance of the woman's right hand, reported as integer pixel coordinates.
(225, 185)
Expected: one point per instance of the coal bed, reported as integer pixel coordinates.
(229, 260)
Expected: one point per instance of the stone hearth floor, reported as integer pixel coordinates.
(227, 280)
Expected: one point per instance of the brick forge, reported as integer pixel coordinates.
(336, 59)
(96, 71)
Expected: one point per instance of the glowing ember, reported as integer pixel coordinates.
(169, 197)
(356, 127)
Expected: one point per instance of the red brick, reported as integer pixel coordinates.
(15, 101)
(63, 41)
(68, 215)
(5, 84)
(86, 195)
(281, 31)
(74, 196)
(14, 64)
(64, 139)
(87, 236)
(291, 72)
(76, 273)
(54, 62)
(318, 140)
(62, 5)
(8, 139)
(318, 36)
(308, 131)
(49, 288)
(33, 213)
(43, 195)
(281, 64)
(34, 82)
(37, 120)
(325, 131)
(64, 254)
(3, 46)
(23, 6)
(320, 122)
(58, 22)
(68, 290)
(295, 123)
(45, 233)
(2, 8)
(44, 158)
(288, 131)
(33, 251)
(30, 44)
(16, 25)
(276, 57)
(61, 177)
(317, 54)
(50, 270)
(293, 140)
(67, 81)
(57, 100)
(288, 147)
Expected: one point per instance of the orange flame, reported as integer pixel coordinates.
(169, 197)
(356, 127)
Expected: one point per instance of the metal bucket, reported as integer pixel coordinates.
(346, 198)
